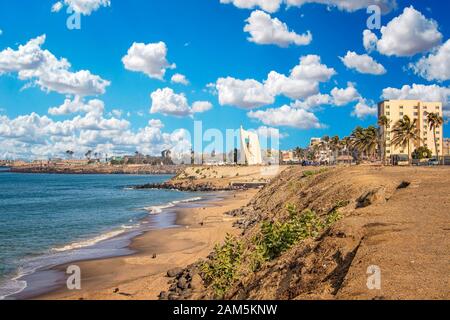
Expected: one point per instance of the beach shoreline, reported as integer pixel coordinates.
(142, 274)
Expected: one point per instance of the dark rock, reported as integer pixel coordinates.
(172, 273)
(182, 283)
(173, 296)
(163, 295)
(371, 197)
(196, 282)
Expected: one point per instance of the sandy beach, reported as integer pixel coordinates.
(143, 275)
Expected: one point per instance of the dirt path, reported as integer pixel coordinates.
(408, 238)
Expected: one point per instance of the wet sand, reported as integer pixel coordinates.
(142, 276)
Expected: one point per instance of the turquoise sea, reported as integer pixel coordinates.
(47, 220)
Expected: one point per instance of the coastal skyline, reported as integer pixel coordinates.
(136, 75)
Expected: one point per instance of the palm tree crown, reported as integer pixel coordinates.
(404, 131)
(435, 121)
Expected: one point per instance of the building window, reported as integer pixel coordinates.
(401, 107)
(388, 107)
(388, 113)
(416, 114)
(425, 107)
(416, 107)
(438, 108)
(401, 114)
(388, 151)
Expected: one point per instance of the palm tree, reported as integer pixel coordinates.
(435, 121)
(335, 145)
(384, 122)
(346, 144)
(88, 154)
(69, 154)
(298, 152)
(404, 131)
(357, 140)
(371, 141)
(365, 141)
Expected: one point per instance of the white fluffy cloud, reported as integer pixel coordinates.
(40, 137)
(201, 106)
(266, 5)
(342, 97)
(167, 102)
(346, 5)
(363, 110)
(85, 7)
(246, 94)
(349, 5)
(311, 68)
(77, 105)
(150, 59)
(286, 116)
(269, 132)
(302, 83)
(33, 63)
(406, 35)
(362, 63)
(419, 92)
(279, 84)
(265, 30)
(179, 78)
(370, 40)
(436, 66)
(313, 102)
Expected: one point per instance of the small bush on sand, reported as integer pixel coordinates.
(277, 237)
(310, 173)
(222, 268)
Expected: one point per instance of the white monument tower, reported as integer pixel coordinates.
(250, 148)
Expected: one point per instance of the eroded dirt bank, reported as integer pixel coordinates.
(397, 219)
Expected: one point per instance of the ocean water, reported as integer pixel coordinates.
(46, 220)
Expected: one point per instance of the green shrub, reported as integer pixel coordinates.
(310, 173)
(277, 237)
(221, 270)
(332, 218)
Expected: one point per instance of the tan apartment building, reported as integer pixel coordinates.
(446, 151)
(394, 110)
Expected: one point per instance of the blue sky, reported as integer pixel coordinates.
(206, 40)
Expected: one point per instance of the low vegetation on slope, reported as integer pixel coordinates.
(293, 244)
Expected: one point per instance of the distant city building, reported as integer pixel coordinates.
(250, 148)
(418, 110)
(315, 141)
(446, 147)
(288, 157)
